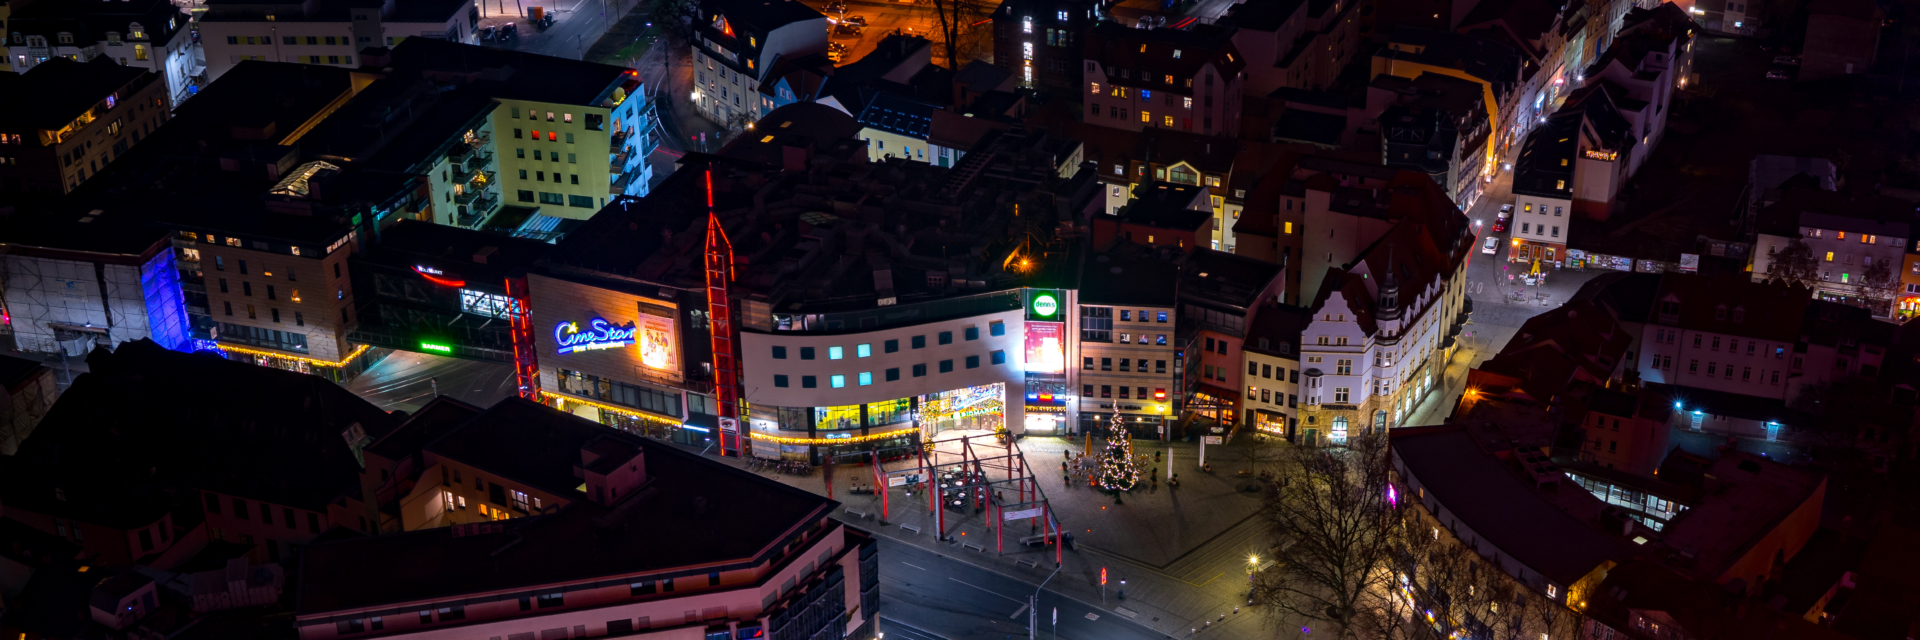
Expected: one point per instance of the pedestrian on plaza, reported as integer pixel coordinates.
(1156, 456)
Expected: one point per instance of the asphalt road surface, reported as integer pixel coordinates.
(927, 595)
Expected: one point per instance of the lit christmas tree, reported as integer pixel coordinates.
(1118, 470)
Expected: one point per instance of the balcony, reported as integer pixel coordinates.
(478, 210)
(474, 194)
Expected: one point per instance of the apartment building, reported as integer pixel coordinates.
(1220, 294)
(1159, 214)
(145, 34)
(1382, 330)
(63, 122)
(1129, 353)
(1544, 179)
(325, 32)
(1163, 78)
(1859, 243)
(1038, 42)
(1272, 353)
(735, 46)
(612, 556)
(1297, 45)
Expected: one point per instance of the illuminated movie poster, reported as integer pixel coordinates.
(1046, 352)
(656, 342)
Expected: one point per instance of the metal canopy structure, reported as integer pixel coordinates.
(982, 475)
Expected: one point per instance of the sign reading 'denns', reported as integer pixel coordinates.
(1044, 305)
(598, 334)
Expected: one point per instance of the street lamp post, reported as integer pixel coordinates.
(1033, 608)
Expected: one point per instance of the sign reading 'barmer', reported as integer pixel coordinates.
(599, 334)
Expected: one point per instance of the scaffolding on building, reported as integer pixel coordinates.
(52, 305)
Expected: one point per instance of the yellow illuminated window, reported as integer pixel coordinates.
(1168, 120)
(1146, 117)
(1829, 256)
(1289, 227)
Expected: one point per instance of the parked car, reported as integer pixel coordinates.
(859, 20)
(1506, 211)
(1777, 74)
(846, 30)
(486, 33)
(508, 32)
(834, 7)
(1499, 225)
(1491, 246)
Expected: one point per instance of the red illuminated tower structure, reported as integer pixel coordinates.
(726, 376)
(526, 366)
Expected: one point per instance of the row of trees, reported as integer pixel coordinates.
(1360, 561)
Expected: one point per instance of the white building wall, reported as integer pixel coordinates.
(760, 366)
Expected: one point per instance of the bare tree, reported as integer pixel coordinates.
(1253, 448)
(674, 17)
(1331, 506)
(1879, 284)
(1796, 264)
(956, 29)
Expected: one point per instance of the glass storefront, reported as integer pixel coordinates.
(981, 408)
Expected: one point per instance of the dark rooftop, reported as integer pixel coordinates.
(55, 92)
(736, 516)
(1222, 278)
(1166, 205)
(141, 424)
(1478, 489)
(1300, 125)
(1129, 274)
(524, 441)
(522, 76)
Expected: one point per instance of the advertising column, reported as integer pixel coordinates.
(1044, 358)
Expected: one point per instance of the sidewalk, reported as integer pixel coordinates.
(1182, 553)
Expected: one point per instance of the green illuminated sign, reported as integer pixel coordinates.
(436, 347)
(1044, 305)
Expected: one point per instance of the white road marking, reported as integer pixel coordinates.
(914, 566)
(984, 589)
(1017, 612)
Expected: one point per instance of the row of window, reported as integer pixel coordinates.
(1713, 368)
(242, 510)
(1271, 372)
(541, 176)
(113, 37)
(1669, 336)
(1270, 396)
(262, 337)
(246, 289)
(1528, 228)
(531, 114)
(294, 40)
(1126, 392)
(521, 153)
(527, 195)
(552, 136)
(865, 378)
(865, 350)
(553, 600)
(1865, 238)
(1106, 364)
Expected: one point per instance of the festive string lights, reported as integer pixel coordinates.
(1118, 470)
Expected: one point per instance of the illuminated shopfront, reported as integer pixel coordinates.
(978, 408)
(843, 434)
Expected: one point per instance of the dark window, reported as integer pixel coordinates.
(973, 333)
(313, 523)
(946, 337)
(146, 539)
(344, 626)
(553, 600)
(713, 579)
(246, 289)
(779, 380)
(455, 612)
(213, 503)
(266, 514)
(919, 342)
(999, 357)
(497, 494)
(667, 585)
(806, 353)
(223, 285)
(892, 346)
(641, 588)
(243, 269)
(920, 370)
(809, 382)
(946, 366)
(997, 328)
(616, 627)
(525, 195)
(893, 374)
(426, 616)
(286, 518)
(239, 508)
(779, 353)
(973, 362)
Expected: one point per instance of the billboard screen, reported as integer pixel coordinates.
(1045, 348)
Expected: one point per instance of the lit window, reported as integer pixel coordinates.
(838, 381)
(866, 378)
(834, 353)
(864, 350)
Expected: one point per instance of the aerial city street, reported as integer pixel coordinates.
(958, 319)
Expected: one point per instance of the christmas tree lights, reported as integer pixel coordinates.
(1118, 469)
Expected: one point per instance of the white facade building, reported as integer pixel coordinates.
(328, 32)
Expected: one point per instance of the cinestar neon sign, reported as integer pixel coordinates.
(598, 334)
